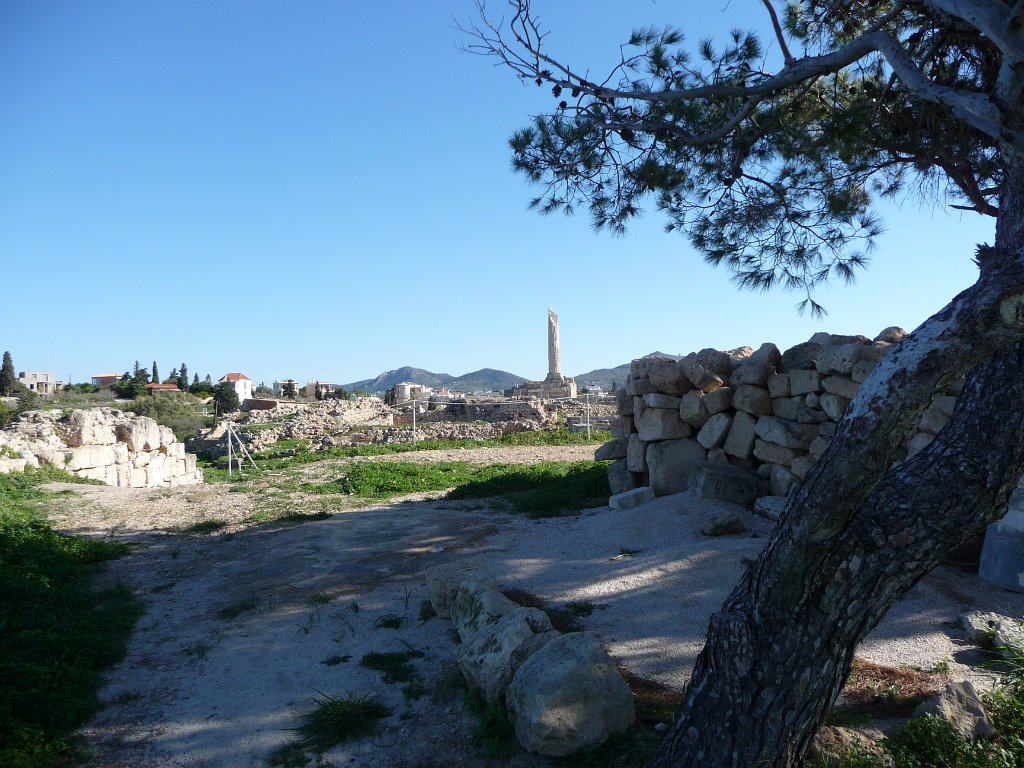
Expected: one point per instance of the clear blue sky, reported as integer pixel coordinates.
(321, 190)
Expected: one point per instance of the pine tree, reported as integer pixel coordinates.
(8, 378)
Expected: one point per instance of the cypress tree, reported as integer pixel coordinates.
(8, 379)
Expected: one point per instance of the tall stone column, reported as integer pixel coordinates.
(554, 361)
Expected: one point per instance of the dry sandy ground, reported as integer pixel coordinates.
(246, 627)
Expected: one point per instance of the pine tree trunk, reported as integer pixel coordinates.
(864, 527)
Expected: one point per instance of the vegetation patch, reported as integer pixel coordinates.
(493, 732)
(333, 721)
(394, 666)
(58, 635)
(389, 621)
(206, 526)
(887, 691)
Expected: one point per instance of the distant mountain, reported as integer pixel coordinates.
(485, 379)
(605, 377)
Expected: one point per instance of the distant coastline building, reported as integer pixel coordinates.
(106, 379)
(404, 391)
(155, 387)
(286, 388)
(555, 385)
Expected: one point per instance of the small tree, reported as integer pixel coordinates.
(183, 377)
(8, 378)
(155, 378)
(226, 398)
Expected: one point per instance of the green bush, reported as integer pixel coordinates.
(57, 634)
(180, 411)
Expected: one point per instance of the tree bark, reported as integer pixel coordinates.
(864, 526)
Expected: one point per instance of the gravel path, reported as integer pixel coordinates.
(244, 627)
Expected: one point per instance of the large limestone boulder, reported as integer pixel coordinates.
(669, 463)
(567, 696)
(90, 427)
(959, 705)
(490, 658)
(443, 582)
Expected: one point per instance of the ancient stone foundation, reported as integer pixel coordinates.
(105, 444)
(742, 424)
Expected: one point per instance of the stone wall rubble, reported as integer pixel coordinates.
(105, 444)
(745, 423)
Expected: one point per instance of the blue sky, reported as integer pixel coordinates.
(321, 190)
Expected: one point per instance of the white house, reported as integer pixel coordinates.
(241, 383)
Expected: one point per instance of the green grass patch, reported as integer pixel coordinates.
(493, 732)
(58, 635)
(212, 473)
(206, 526)
(333, 721)
(394, 666)
(389, 621)
(546, 489)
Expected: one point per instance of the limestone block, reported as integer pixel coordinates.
(661, 424)
(787, 407)
(800, 357)
(124, 475)
(804, 382)
(137, 478)
(802, 465)
(11, 465)
(154, 474)
(92, 473)
(959, 704)
(740, 441)
(443, 582)
(613, 449)
(918, 443)
(668, 377)
(778, 385)
(818, 446)
(54, 458)
(640, 387)
(713, 481)
(141, 458)
(808, 415)
(726, 524)
(190, 464)
(639, 406)
(739, 355)
(567, 696)
(623, 402)
(834, 405)
(893, 335)
(621, 426)
(490, 658)
(140, 434)
(788, 434)
(827, 428)
(631, 498)
(715, 361)
(811, 400)
(752, 399)
(478, 604)
(770, 507)
(669, 463)
(943, 404)
(88, 456)
(642, 366)
(620, 479)
(658, 400)
(766, 353)
(764, 471)
(781, 481)
(176, 450)
(718, 401)
(718, 456)
(636, 454)
(861, 370)
(840, 385)
(166, 435)
(121, 453)
(774, 454)
(751, 373)
(179, 468)
(90, 427)
(110, 474)
(693, 410)
(714, 432)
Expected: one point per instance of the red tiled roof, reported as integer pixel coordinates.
(235, 377)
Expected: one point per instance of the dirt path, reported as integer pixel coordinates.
(244, 628)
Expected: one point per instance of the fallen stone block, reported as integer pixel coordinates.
(620, 479)
(770, 507)
(803, 382)
(669, 463)
(713, 481)
(567, 696)
(840, 385)
(661, 424)
(631, 499)
(789, 434)
(714, 432)
(959, 705)
(781, 480)
(636, 454)
(693, 410)
(752, 399)
(718, 401)
(728, 524)
(834, 405)
(740, 441)
(613, 449)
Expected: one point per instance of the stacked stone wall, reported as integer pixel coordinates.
(765, 416)
(104, 444)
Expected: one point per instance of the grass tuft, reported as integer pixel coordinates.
(393, 666)
(336, 720)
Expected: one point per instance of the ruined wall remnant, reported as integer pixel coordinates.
(768, 413)
(105, 444)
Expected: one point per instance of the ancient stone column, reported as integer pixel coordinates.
(554, 361)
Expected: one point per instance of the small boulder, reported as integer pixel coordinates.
(725, 524)
(960, 706)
